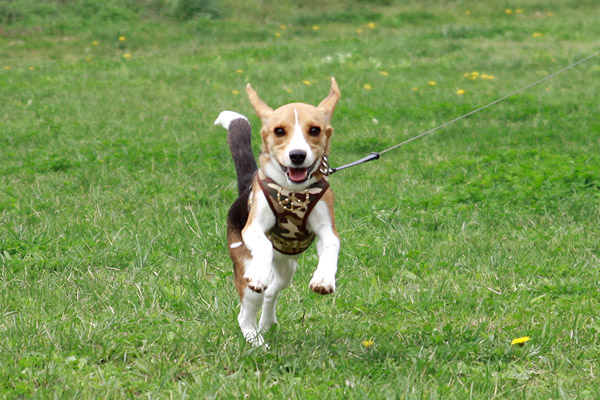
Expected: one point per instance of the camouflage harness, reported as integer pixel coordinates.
(290, 235)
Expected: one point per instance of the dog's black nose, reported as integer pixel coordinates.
(297, 156)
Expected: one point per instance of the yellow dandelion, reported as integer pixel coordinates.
(486, 76)
(415, 89)
(520, 341)
(384, 73)
(7, 67)
(95, 43)
(239, 71)
(306, 82)
(537, 34)
(282, 27)
(519, 11)
(371, 25)
(359, 31)
(277, 34)
(460, 91)
(126, 55)
(288, 90)
(235, 92)
(88, 59)
(122, 38)
(368, 343)
(467, 12)
(432, 83)
(316, 27)
(508, 11)
(31, 68)
(367, 86)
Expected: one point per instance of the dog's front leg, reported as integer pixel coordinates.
(258, 272)
(321, 221)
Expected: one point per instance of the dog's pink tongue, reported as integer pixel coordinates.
(297, 174)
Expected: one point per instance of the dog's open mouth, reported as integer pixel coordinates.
(297, 175)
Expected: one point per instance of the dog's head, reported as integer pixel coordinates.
(295, 138)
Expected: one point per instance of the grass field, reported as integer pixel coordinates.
(114, 187)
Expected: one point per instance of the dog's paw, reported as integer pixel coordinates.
(257, 282)
(322, 284)
(256, 285)
(255, 339)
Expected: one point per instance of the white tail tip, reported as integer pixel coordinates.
(224, 119)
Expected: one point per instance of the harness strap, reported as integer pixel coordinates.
(290, 234)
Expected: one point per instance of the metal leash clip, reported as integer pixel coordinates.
(324, 168)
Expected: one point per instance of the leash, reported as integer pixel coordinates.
(376, 155)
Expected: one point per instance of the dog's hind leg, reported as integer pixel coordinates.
(250, 306)
(250, 301)
(283, 272)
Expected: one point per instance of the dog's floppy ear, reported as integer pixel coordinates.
(262, 109)
(328, 104)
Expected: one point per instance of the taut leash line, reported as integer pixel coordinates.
(376, 155)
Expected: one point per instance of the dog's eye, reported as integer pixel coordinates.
(279, 132)
(314, 131)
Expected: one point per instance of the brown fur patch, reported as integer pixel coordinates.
(236, 221)
(239, 256)
(328, 198)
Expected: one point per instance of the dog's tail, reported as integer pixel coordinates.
(239, 137)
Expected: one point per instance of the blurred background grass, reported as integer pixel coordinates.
(68, 16)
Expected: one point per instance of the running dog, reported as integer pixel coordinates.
(282, 206)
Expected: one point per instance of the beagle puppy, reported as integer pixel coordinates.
(283, 204)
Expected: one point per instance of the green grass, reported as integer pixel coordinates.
(114, 187)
